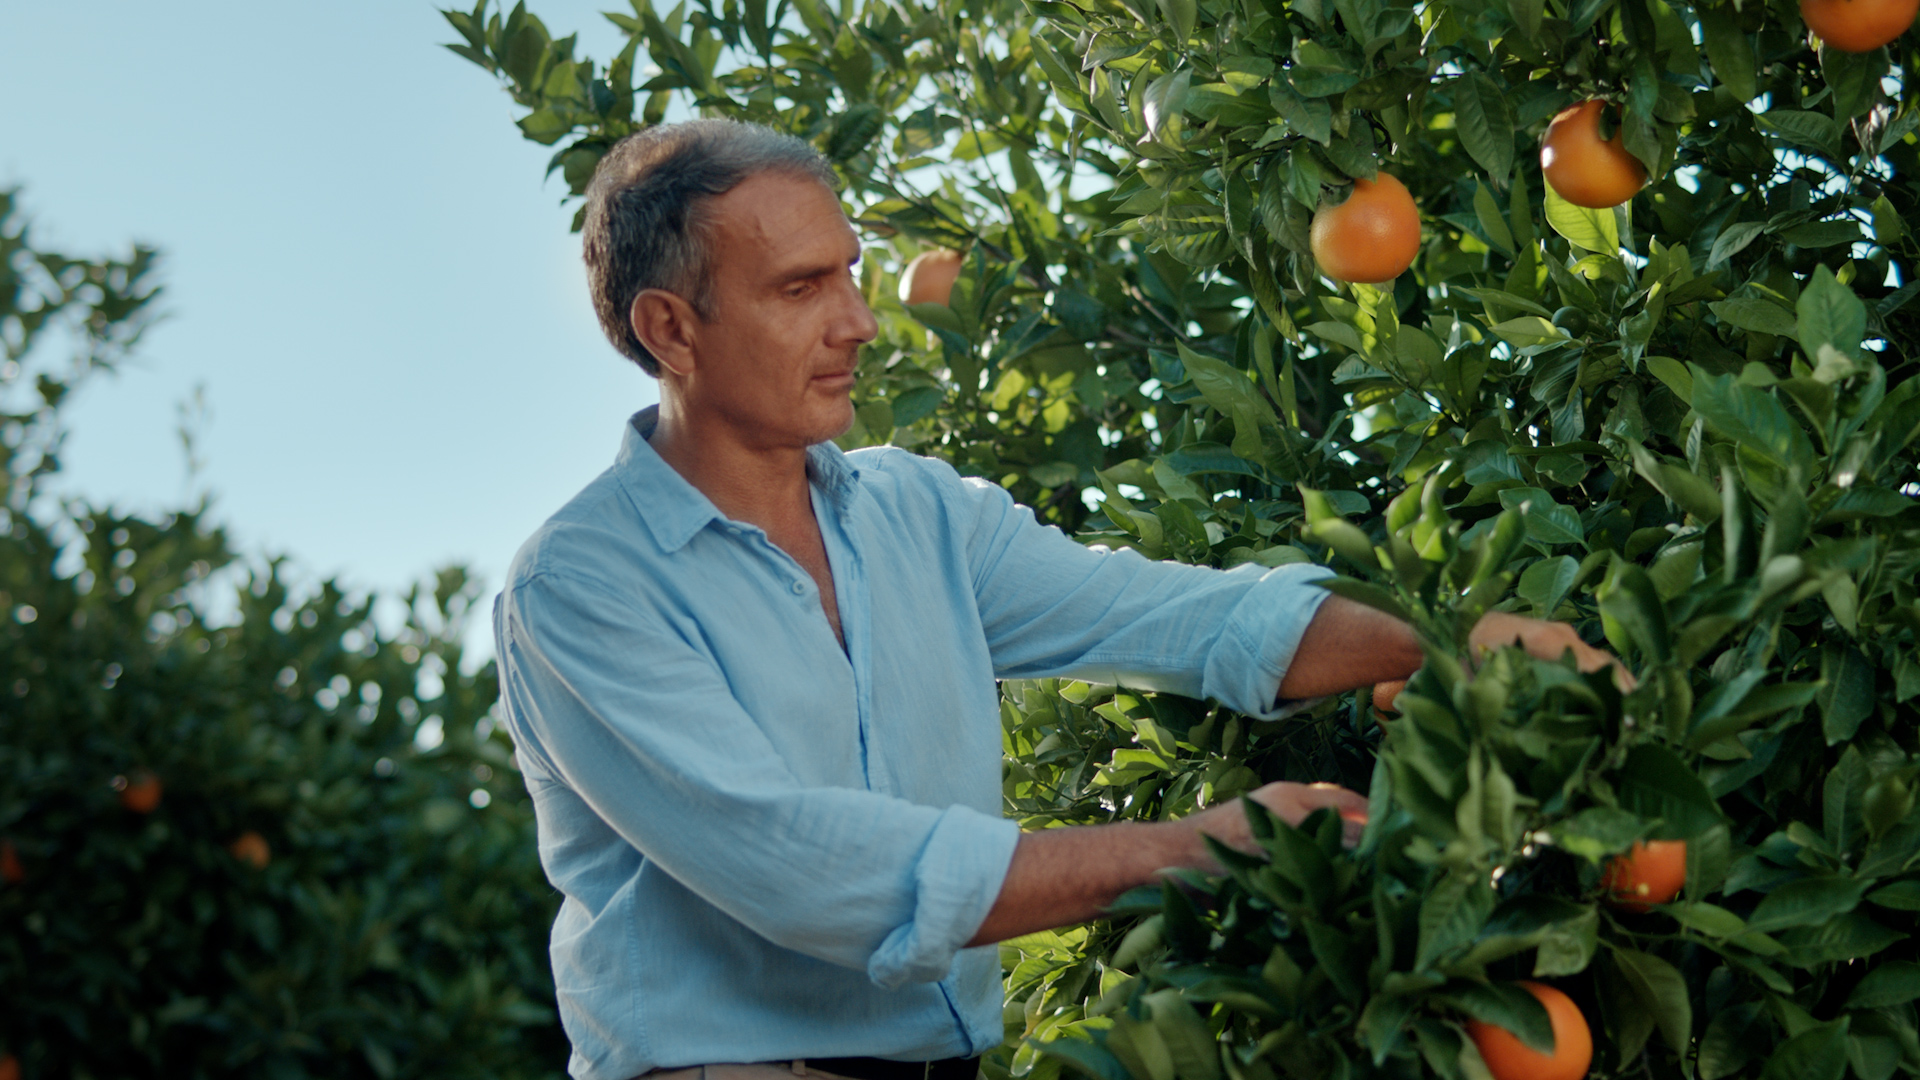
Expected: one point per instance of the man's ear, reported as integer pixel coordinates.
(667, 325)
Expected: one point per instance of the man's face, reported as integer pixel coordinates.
(775, 360)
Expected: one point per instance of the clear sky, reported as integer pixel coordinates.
(365, 269)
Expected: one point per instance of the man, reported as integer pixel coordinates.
(751, 678)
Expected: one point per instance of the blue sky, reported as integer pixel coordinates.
(365, 270)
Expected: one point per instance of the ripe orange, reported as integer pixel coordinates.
(929, 277)
(1650, 873)
(1583, 169)
(1858, 26)
(9, 1067)
(10, 869)
(1508, 1058)
(1372, 237)
(251, 848)
(140, 792)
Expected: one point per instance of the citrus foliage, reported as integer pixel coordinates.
(1685, 424)
(395, 929)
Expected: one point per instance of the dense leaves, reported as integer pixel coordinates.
(387, 916)
(1684, 424)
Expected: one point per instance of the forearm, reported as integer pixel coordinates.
(1349, 645)
(1060, 877)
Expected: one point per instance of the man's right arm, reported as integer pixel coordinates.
(1060, 877)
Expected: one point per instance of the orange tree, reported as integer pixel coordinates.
(385, 915)
(1684, 422)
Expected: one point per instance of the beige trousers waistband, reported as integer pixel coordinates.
(762, 1070)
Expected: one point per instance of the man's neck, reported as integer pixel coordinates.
(760, 485)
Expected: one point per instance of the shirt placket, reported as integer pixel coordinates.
(856, 624)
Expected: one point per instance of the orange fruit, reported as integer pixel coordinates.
(1508, 1058)
(10, 869)
(929, 277)
(1372, 237)
(9, 1067)
(1585, 170)
(1651, 872)
(251, 848)
(139, 793)
(1858, 26)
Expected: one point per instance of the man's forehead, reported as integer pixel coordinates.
(779, 212)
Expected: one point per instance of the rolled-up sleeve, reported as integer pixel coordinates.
(643, 726)
(1054, 607)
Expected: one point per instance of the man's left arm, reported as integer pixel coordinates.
(1350, 645)
(1250, 638)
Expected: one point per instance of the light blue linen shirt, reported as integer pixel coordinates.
(770, 848)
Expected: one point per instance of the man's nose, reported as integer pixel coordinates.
(854, 324)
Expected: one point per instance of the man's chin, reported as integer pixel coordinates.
(840, 426)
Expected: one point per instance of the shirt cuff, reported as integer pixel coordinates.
(956, 881)
(1246, 665)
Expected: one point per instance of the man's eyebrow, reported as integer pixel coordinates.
(802, 273)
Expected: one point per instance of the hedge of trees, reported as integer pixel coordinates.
(1684, 423)
(244, 830)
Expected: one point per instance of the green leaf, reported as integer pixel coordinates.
(1224, 386)
(1807, 130)
(1599, 831)
(1730, 51)
(1655, 783)
(1180, 15)
(1846, 696)
(1753, 418)
(1452, 915)
(1852, 936)
(1362, 592)
(1505, 1005)
(1733, 240)
(1495, 226)
(1890, 982)
(1166, 98)
(1529, 330)
(1662, 992)
(1383, 1025)
(1688, 491)
(1628, 598)
(1854, 79)
(1485, 123)
(1189, 1043)
(1831, 317)
(1819, 1053)
(1546, 583)
(1592, 230)
(1754, 314)
(1806, 902)
(1709, 919)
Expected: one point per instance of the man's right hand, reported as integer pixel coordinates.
(1290, 802)
(1059, 877)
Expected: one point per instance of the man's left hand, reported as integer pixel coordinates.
(1542, 639)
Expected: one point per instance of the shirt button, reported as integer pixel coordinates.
(799, 588)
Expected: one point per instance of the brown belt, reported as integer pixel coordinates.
(848, 1068)
(871, 1068)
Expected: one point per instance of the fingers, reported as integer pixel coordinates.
(1385, 694)
(1546, 641)
(1293, 802)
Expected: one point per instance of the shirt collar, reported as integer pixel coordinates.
(675, 510)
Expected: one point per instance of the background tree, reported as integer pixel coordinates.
(1684, 422)
(244, 831)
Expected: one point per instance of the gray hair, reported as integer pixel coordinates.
(647, 226)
